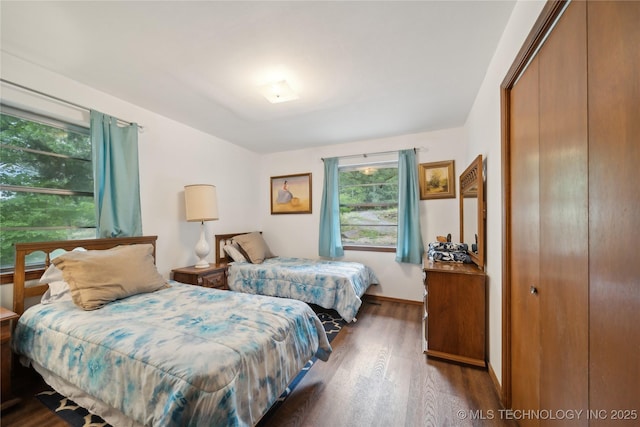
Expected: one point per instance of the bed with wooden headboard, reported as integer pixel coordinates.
(172, 355)
(221, 241)
(21, 292)
(336, 285)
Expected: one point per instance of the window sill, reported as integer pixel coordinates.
(368, 248)
(32, 274)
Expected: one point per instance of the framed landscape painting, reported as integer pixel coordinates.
(437, 180)
(291, 194)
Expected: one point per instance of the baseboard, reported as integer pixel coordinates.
(374, 298)
(494, 379)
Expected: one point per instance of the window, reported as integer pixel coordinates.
(369, 205)
(46, 182)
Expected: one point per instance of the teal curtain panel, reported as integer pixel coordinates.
(330, 243)
(116, 177)
(409, 247)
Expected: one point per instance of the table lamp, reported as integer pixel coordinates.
(201, 204)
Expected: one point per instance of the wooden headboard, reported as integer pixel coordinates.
(20, 292)
(221, 240)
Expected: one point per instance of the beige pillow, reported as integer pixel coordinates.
(98, 277)
(254, 246)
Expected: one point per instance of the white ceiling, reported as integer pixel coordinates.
(363, 70)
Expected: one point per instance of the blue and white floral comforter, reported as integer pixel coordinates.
(182, 356)
(335, 285)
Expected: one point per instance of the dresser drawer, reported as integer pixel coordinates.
(216, 279)
(214, 276)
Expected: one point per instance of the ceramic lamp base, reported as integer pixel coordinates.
(202, 249)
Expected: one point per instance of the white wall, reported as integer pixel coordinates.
(297, 235)
(484, 137)
(171, 156)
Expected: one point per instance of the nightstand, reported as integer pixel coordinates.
(6, 317)
(214, 276)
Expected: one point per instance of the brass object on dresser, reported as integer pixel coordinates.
(214, 276)
(6, 317)
(454, 312)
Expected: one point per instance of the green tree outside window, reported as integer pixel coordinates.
(46, 182)
(369, 205)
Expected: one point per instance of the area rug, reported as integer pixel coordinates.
(77, 416)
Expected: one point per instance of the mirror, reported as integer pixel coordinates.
(472, 211)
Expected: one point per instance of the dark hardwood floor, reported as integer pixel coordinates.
(29, 412)
(376, 376)
(379, 376)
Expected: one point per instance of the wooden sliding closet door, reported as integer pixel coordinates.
(525, 238)
(564, 262)
(588, 206)
(614, 209)
(549, 225)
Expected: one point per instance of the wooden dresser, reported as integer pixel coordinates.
(454, 312)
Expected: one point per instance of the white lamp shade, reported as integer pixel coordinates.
(201, 202)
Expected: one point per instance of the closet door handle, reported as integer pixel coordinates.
(533, 290)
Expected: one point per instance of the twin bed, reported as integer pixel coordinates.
(165, 355)
(333, 285)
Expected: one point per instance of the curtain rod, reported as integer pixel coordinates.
(376, 153)
(64, 101)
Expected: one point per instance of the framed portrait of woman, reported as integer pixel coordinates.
(291, 194)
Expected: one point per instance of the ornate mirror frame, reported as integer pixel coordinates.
(472, 187)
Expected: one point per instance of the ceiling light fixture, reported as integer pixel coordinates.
(278, 92)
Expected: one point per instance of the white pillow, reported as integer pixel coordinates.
(58, 288)
(51, 274)
(234, 252)
(57, 292)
